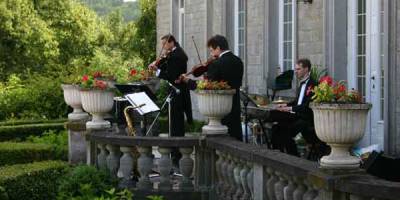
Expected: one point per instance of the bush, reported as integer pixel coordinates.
(32, 181)
(58, 142)
(15, 153)
(37, 97)
(84, 179)
(20, 132)
(31, 121)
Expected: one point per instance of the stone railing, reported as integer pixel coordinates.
(121, 154)
(243, 171)
(220, 167)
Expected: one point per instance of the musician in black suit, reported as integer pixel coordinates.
(229, 68)
(169, 67)
(296, 116)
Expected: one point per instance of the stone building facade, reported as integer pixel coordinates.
(357, 41)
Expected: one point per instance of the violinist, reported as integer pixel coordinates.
(226, 67)
(169, 67)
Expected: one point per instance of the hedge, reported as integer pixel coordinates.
(32, 181)
(20, 132)
(31, 121)
(16, 153)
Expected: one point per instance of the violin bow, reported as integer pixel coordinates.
(197, 50)
(162, 48)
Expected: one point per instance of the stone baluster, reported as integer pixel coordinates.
(186, 166)
(218, 172)
(231, 178)
(113, 159)
(289, 189)
(126, 167)
(271, 183)
(317, 190)
(236, 172)
(165, 166)
(102, 157)
(250, 179)
(145, 164)
(280, 185)
(300, 190)
(243, 180)
(310, 194)
(224, 183)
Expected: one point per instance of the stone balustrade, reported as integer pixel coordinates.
(127, 156)
(221, 168)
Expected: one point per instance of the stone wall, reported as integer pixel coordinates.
(310, 27)
(255, 76)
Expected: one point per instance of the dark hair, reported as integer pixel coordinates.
(218, 41)
(305, 63)
(170, 38)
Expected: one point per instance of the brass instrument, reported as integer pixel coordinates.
(129, 121)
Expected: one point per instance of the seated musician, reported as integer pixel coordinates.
(296, 116)
(226, 67)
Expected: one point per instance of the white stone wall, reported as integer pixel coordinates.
(310, 29)
(255, 77)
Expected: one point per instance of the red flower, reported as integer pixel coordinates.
(85, 78)
(100, 84)
(133, 72)
(97, 75)
(309, 90)
(326, 79)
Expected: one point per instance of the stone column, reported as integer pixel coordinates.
(102, 157)
(186, 165)
(76, 141)
(126, 167)
(113, 159)
(165, 166)
(145, 163)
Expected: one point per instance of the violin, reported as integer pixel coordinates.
(200, 69)
(161, 58)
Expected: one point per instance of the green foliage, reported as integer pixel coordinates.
(317, 72)
(15, 153)
(129, 10)
(57, 141)
(189, 128)
(20, 132)
(145, 39)
(32, 181)
(35, 97)
(30, 121)
(84, 181)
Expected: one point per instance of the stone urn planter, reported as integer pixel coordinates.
(340, 126)
(215, 104)
(98, 103)
(72, 97)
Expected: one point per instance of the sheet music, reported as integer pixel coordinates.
(137, 99)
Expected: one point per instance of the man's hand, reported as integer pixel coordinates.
(182, 78)
(285, 109)
(153, 66)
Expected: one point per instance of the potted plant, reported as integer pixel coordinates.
(72, 97)
(215, 101)
(97, 99)
(340, 120)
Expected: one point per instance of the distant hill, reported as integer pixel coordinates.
(129, 9)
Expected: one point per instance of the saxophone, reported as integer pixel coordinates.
(129, 121)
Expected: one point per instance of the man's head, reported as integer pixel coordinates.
(217, 44)
(168, 42)
(302, 68)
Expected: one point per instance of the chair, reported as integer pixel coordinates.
(281, 82)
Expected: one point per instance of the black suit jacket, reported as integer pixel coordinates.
(228, 68)
(170, 69)
(303, 111)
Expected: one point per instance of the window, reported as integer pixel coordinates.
(181, 25)
(287, 13)
(361, 49)
(239, 30)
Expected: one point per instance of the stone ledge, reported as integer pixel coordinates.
(75, 126)
(130, 141)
